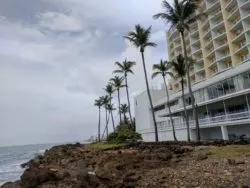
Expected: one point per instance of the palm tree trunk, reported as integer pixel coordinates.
(99, 125)
(112, 117)
(106, 127)
(149, 97)
(124, 117)
(194, 107)
(129, 110)
(107, 122)
(110, 102)
(185, 110)
(169, 109)
(119, 102)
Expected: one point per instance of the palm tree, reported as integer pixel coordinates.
(105, 101)
(98, 103)
(123, 110)
(140, 38)
(163, 69)
(110, 108)
(124, 68)
(117, 82)
(180, 16)
(180, 67)
(110, 90)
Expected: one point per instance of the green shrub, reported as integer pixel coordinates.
(123, 134)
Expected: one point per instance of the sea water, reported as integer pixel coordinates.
(12, 157)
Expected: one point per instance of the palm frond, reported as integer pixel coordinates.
(155, 74)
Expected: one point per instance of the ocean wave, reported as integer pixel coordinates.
(2, 182)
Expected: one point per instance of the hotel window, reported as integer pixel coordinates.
(162, 107)
(222, 88)
(246, 78)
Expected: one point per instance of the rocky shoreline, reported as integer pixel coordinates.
(168, 164)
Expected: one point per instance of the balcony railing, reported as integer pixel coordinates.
(205, 122)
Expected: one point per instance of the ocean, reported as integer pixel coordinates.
(12, 157)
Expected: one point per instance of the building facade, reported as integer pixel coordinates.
(220, 44)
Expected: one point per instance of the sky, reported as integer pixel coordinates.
(56, 56)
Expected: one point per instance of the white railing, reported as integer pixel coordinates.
(205, 122)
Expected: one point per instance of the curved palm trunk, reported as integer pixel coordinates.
(105, 129)
(110, 102)
(99, 125)
(124, 117)
(149, 97)
(112, 117)
(107, 122)
(119, 102)
(185, 110)
(194, 107)
(169, 109)
(129, 110)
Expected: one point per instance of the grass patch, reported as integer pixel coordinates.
(103, 145)
(229, 151)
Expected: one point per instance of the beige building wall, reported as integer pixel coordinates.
(220, 41)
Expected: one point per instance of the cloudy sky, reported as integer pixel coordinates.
(55, 58)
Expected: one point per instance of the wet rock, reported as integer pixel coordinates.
(35, 177)
(201, 156)
(231, 161)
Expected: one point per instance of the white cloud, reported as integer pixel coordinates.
(59, 21)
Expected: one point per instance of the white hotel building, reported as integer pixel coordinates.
(220, 78)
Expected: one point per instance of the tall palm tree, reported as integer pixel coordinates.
(98, 103)
(117, 82)
(110, 108)
(123, 110)
(180, 16)
(163, 69)
(180, 67)
(125, 68)
(140, 38)
(105, 101)
(110, 90)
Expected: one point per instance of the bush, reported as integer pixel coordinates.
(123, 134)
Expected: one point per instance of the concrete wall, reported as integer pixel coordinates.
(211, 133)
(181, 135)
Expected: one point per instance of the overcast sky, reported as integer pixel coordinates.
(55, 58)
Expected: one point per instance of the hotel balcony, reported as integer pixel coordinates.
(210, 121)
(207, 33)
(198, 67)
(212, 5)
(244, 58)
(230, 4)
(242, 47)
(239, 35)
(216, 120)
(209, 43)
(218, 25)
(244, 4)
(234, 12)
(220, 35)
(236, 24)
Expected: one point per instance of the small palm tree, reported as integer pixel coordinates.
(105, 101)
(110, 90)
(110, 108)
(180, 16)
(123, 110)
(125, 68)
(180, 67)
(117, 82)
(98, 103)
(140, 38)
(163, 69)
